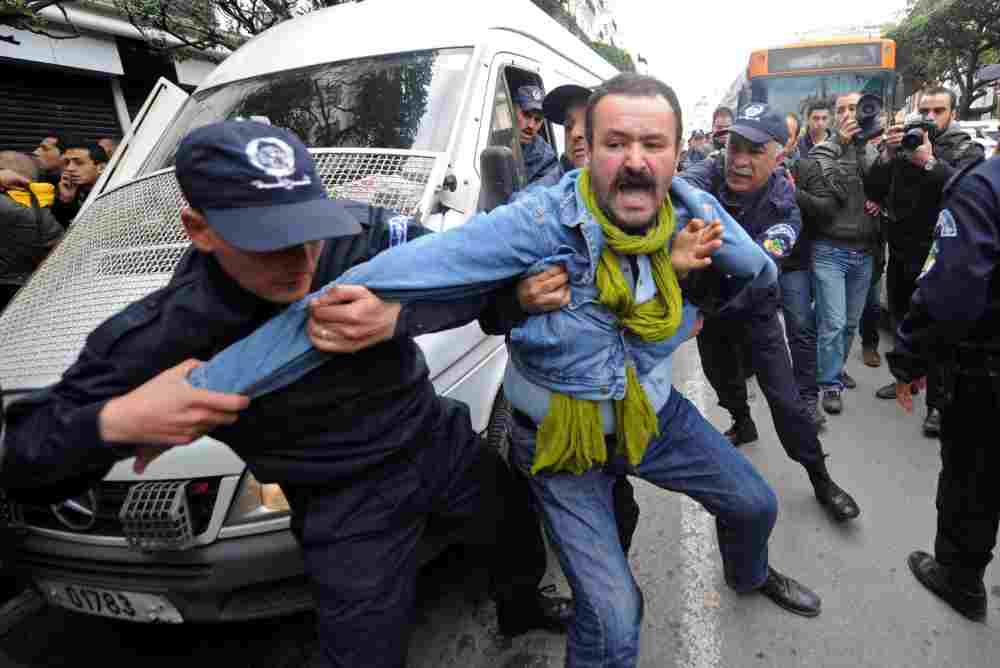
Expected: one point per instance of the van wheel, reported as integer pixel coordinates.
(498, 430)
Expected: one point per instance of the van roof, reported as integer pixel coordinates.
(378, 27)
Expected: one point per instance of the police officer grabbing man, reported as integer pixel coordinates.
(954, 322)
(362, 496)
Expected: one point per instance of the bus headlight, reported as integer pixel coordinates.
(255, 502)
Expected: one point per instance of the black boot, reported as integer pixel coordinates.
(742, 432)
(837, 502)
(963, 591)
(535, 611)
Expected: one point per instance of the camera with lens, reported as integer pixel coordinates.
(868, 115)
(914, 127)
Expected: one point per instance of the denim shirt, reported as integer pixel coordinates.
(580, 350)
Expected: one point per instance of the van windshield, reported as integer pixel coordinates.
(403, 101)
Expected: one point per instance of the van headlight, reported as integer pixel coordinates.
(255, 502)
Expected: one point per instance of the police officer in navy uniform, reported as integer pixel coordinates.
(539, 157)
(954, 322)
(368, 455)
(748, 182)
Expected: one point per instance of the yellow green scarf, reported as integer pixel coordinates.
(571, 437)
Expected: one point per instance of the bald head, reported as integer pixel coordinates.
(19, 162)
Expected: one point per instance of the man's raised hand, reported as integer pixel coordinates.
(694, 244)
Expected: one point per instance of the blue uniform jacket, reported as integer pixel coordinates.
(539, 158)
(957, 299)
(579, 350)
(769, 216)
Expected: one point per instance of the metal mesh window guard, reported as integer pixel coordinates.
(127, 243)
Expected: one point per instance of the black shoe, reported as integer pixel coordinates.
(832, 403)
(848, 381)
(541, 612)
(886, 391)
(742, 432)
(790, 595)
(889, 391)
(838, 503)
(932, 423)
(969, 600)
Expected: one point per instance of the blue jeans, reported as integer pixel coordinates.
(689, 456)
(800, 326)
(841, 280)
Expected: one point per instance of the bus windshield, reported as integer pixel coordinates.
(793, 93)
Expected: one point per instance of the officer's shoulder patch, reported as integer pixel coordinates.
(398, 230)
(945, 226)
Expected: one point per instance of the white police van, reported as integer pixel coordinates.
(398, 101)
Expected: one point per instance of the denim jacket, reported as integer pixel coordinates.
(580, 350)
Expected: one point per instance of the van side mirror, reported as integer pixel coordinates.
(498, 171)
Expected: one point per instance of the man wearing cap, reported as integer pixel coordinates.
(538, 156)
(755, 191)
(567, 106)
(264, 234)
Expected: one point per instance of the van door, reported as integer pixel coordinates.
(153, 119)
(506, 73)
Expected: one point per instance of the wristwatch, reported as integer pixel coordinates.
(929, 165)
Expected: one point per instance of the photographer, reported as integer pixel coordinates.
(916, 161)
(843, 243)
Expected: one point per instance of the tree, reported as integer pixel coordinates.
(618, 57)
(26, 15)
(949, 41)
(211, 24)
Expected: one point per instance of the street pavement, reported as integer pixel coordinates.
(874, 612)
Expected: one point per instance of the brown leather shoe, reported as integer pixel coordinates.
(871, 357)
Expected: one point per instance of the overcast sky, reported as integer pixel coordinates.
(699, 48)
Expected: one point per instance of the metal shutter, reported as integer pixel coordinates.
(37, 102)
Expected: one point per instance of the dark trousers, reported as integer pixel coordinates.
(901, 281)
(872, 315)
(7, 293)
(968, 497)
(360, 540)
(721, 345)
(800, 326)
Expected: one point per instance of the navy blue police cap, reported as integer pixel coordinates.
(759, 124)
(529, 98)
(257, 187)
(560, 99)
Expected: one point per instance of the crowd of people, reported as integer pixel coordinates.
(763, 248)
(40, 196)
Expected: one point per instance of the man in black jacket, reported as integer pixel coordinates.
(908, 185)
(365, 451)
(843, 248)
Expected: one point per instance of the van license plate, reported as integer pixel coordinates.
(126, 605)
